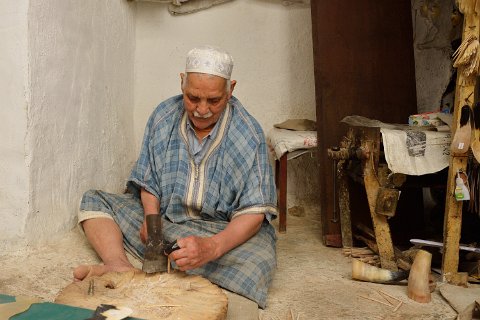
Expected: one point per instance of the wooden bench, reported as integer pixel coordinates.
(287, 145)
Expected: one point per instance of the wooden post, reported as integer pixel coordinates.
(370, 145)
(281, 177)
(464, 94)
(453, 220)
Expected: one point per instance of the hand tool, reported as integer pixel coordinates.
(170, 247)
(156, 249)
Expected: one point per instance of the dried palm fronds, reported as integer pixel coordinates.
(465, 51)
(473, 67)
(467, 6)
(468, 56)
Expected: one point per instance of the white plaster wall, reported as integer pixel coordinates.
(272, 48)
(13, 105)
(80, 115)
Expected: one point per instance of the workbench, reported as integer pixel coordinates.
(406, 151)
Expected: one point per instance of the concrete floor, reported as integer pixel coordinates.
(312, 281)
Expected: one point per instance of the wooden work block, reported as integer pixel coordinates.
(157, 296)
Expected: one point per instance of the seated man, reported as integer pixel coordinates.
(204, 168)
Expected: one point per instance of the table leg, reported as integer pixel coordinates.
(281, 178)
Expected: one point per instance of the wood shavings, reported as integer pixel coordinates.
(363, 254)
(387, 300)
(292, 315)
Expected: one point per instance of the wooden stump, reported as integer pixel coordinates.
(157, 296)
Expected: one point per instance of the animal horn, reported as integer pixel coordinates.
(365, 272)
(418, 280)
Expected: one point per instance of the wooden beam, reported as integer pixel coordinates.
(453, 220)
(464, 94)
(371, 145)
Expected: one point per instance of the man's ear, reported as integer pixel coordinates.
(232, 86)
(182, 76)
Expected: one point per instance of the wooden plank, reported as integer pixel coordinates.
(464, 94)
(357, 46)
(370, 144)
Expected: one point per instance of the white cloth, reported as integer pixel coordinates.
(416, 152)
(281, 141)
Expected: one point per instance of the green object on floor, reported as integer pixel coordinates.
(51, 311)
(6, 299)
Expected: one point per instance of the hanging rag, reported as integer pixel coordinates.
(181, 7)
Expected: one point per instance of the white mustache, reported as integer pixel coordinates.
(205, 116)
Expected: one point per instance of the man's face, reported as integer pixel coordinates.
(205, 97)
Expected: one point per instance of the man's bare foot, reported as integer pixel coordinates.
(84, 271)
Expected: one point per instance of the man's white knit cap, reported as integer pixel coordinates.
(210, 60)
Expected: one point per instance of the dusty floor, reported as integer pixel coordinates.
(312, 281)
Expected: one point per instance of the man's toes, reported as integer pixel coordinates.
(84, 271)
(81, 272)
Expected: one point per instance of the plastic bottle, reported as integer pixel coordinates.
(461, 191)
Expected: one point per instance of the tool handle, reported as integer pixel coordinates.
(170, 247)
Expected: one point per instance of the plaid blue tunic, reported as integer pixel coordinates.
(233, 178)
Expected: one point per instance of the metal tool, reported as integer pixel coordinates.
(108, 311)
(156, 249)
(154, 259)
(437, 244)
(91, 287)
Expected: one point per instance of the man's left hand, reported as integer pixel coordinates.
(194, 252)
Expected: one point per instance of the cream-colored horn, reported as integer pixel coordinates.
(418, 280)
(365, 272)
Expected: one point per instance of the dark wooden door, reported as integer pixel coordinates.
(364, 65)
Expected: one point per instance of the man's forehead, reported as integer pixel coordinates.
(204, 82)
(208, 94)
